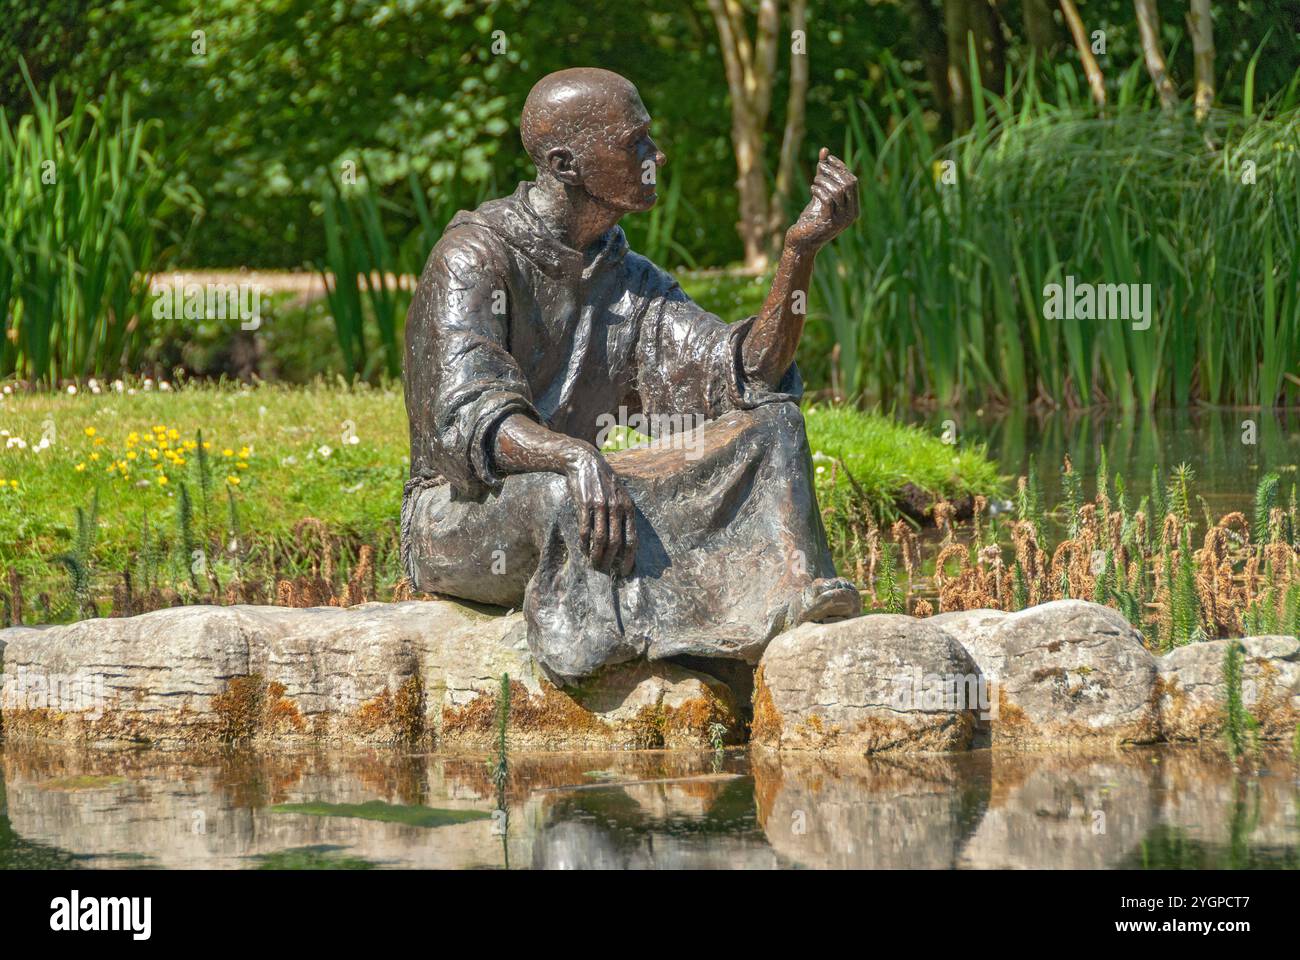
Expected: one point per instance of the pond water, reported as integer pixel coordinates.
(1212, 442)
(64, 807)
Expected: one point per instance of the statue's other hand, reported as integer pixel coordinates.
(606, 514)
(834, 205)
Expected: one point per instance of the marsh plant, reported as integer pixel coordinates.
(939, 292)
(1240, 728)
(1166, 563)
(82, 205)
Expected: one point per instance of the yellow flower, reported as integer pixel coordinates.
(190, 445)
(159, 428)
(163, 444)
(241, 466)
(162, 480)
(90, 431)
(133, 437)
(207, 445)
(153, 453)
(99, 441)
(232, 480)
(227, 452)
(173, 434)
(14, 484)
(179, 461)
(244, 452)
(80, 467)
(131, 455)
(94, 456)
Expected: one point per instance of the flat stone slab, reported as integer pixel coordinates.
(1067, 673)
(418, 672)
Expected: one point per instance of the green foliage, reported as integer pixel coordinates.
(1239, 727)
(82, 200)
(889, 595)
(1266, 498)
(940, 290)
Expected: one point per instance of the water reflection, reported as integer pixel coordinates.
(64, 806)
(1212, 441)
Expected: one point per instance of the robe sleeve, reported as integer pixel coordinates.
(461, 380)
(689, 362)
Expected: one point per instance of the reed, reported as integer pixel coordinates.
(937, 292)
(83, 200)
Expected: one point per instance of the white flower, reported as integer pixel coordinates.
(45, 442)
(324, 450)
(148, 383)
(164, 386)
(18, 442)
(118, 386)
(8, 389)
(72, 388)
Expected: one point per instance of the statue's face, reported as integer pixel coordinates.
(619, 165)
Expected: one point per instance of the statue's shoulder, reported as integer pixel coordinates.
(470, 242)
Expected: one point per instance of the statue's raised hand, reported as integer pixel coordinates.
(834, 205)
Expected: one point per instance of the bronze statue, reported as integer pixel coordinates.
(534, 329)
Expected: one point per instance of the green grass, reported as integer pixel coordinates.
(298, 463)
(882, 455)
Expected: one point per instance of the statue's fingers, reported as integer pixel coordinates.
(599, 535)
(629, 533)
(821, 192)
(584, 526)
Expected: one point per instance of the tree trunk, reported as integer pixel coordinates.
(1040, 28)
(1201, 26)
(749, 68)
(927, 27)
(792, 140)
(963, 20)
(1096, 81)
(956, 24)
(1148, 19)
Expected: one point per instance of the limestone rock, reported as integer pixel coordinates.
(1192, 694)
(1074, 671)
(974, 630)
(413, 672)
(871, 684)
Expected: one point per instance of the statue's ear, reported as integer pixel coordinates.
(563, 165)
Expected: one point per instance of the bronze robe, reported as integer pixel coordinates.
(507, 319)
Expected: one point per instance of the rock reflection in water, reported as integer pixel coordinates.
(64, 806)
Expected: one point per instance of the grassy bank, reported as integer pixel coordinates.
(186, 491)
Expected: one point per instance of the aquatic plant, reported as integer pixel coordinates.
(1239, 727)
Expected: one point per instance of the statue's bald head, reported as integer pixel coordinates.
(575, 108)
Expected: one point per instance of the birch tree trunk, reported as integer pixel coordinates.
(750, 65)
(1148, 19)
(792, 140)
(1096, 80)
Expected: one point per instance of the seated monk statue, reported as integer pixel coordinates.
(534, 330)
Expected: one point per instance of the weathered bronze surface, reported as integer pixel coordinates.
(533, 331)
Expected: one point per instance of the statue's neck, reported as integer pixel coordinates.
(576, 219)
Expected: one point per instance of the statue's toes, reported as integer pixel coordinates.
(830, 598)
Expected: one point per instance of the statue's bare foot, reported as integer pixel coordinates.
(829, 598)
